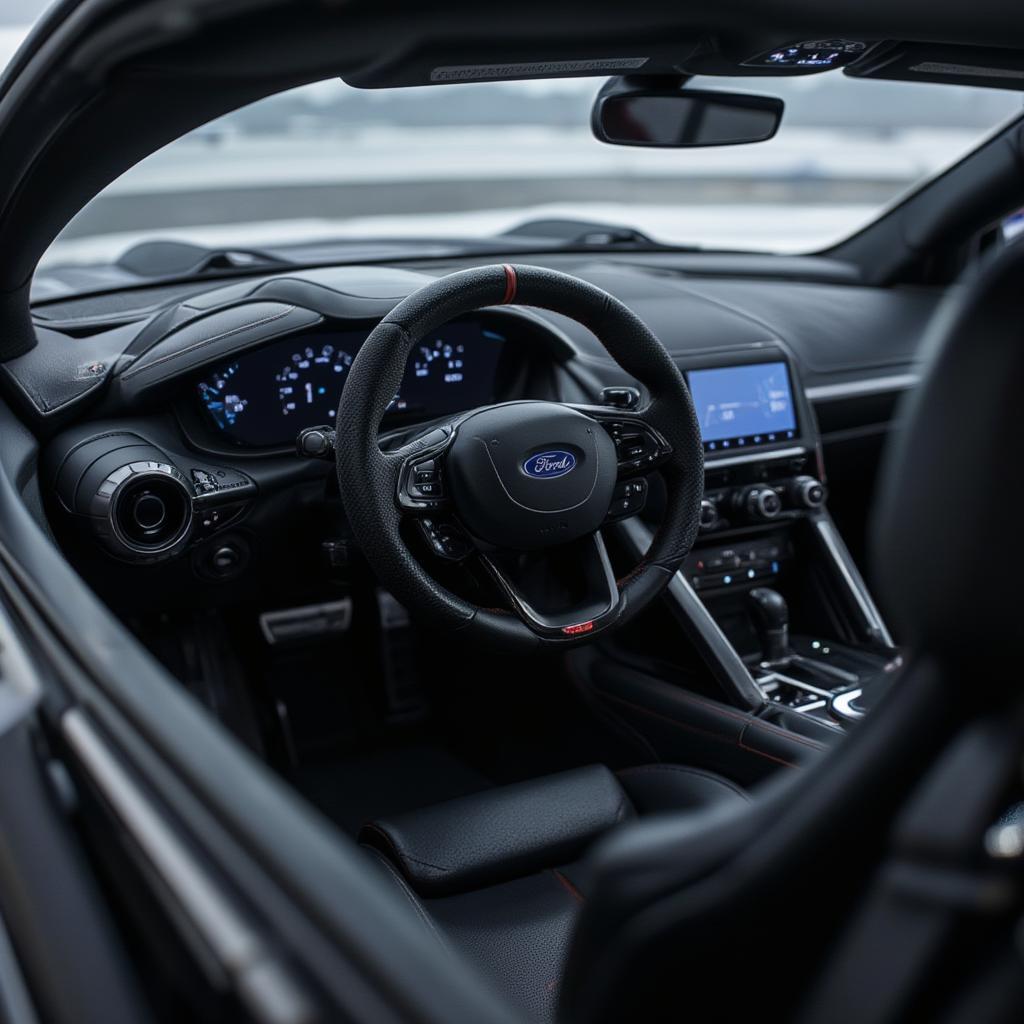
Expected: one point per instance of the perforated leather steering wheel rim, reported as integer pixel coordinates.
(366, 474)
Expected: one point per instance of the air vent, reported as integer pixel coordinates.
(148, 511)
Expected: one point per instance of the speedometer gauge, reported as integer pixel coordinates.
(441, 360)
(264, 397)
(310, 383)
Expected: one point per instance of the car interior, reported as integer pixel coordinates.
(556, 626)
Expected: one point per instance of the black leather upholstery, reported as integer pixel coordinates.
(660, 787)
(207, 339)
(951, 489)
(498, 876)
(495, 836)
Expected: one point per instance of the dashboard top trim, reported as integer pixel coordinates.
(862, 388)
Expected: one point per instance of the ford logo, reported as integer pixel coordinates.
(548, 465)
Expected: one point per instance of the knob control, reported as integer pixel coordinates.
(806, 492)
(708, 514)
(760, 503)
(315, 443)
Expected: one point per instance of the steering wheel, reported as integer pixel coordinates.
(522, 486)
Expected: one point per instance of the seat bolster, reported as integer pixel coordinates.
(501, 834)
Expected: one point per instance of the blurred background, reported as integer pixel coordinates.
(328, 162)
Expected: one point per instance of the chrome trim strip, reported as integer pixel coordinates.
(721, 656)
(755, 456)
(804, 708)
(263, 984)
(844, 700)
(851, 576)
(855, 388)
(776, 675)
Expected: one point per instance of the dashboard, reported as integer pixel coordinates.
(265, 397)
(182, 457)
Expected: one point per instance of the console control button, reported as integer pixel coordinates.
(445, 539)
(226, 558)
(638, 447)
(708, 514)
(628, 499)
(422, 485)
(806, 492)
(209, 520)
(760, 503)
(621, 398)
(213, 485)
(315, 443)
(203, 482)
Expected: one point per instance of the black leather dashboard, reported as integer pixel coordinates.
(133, 362)
(840, 333)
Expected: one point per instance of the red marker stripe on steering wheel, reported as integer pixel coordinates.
(510, 283)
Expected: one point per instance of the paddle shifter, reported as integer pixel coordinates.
(771, 619)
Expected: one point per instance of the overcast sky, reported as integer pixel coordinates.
(21, 12)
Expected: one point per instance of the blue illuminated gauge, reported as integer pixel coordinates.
(440, 360)
(220, 397)
(309, 385)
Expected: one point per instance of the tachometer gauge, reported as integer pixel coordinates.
(218, 394)
(440, 360)
(309, 385)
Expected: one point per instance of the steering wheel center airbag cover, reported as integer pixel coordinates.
(528, 475)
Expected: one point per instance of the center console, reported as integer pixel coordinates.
(769, 594)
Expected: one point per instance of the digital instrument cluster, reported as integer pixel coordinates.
(743, 406)
(264, 398)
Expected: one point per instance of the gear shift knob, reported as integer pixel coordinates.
(771, 618)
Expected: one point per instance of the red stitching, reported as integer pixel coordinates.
(510, 283)
(568, 886)
(718, 709)
(704, 732)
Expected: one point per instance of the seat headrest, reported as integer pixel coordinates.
(502, 833)
(947, 549)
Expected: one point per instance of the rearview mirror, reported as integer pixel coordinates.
(630, 112)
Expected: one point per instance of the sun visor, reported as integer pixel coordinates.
(990, 67)
(499, 61)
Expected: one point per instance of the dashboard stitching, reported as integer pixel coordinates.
(207, 341)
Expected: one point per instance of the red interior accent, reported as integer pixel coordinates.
(510, 283)
(580, 627)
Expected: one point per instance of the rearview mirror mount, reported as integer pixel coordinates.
(660, 112)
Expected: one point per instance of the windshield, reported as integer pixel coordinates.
(329, 162)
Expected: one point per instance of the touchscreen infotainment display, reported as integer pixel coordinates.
(743, 406)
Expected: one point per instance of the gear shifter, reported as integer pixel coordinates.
(771, 618)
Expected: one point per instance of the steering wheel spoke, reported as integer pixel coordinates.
(561, 592)
(640, 446)
(418, 473)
